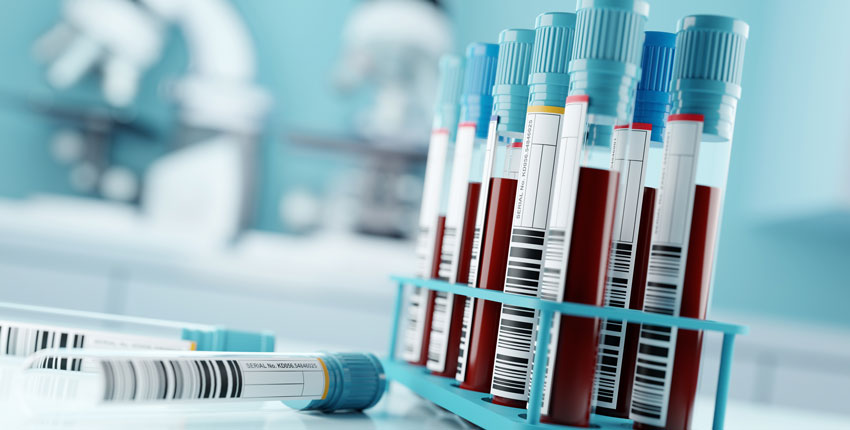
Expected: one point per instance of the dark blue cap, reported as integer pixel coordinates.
(652, 101)
(476, 101)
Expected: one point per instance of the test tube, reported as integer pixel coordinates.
(322, 381)
(489, 257)
(420, 301)
(637, 156)
(604, 72)
(705, 89)
(26, 329)
(464, 191)
(548, 86)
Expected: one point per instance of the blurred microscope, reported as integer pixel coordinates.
(201, 189)
(389, 52)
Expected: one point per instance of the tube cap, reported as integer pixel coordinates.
(356, 382)
(707, 70)
(222, 339)
(606, 55)
(548, 83)
(447, 107)
(652, 100)
(510, 92)
(476, 100)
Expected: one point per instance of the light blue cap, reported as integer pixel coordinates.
(707, 70)
(510, 92)
(356, 381)
(606, 55)
(447, 106)
(476, 100)
(549, 82)
(652, 99)
(222, 339)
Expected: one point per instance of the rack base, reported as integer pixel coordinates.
(476, 407)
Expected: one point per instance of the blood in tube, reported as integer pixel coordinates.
(432, 295)
(695, 293)
(630, 343)
(470, 212)
(587, 272)
(494, 260)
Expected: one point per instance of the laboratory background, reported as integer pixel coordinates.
(259, 164)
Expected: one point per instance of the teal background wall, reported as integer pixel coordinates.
(785, 242)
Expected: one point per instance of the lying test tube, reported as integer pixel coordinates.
(26, 329)
(323, 381)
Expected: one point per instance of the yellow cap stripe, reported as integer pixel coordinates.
(327, 379)
(546, 109)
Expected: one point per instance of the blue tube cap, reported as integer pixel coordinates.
(510, 91)
(356, 382)
(707, 70)
(447, 105)
(652, 99)
(222, 339)
(476, 100)
(549, 82)
(607, 52)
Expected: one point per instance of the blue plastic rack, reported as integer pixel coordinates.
(477, 408)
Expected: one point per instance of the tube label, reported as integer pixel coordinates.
(425, 243)
(148, 379)
(483, 197)
(22, 339)
(666, 272)
(444, 302)
(629, 151)
(515, 340)
(559, 235)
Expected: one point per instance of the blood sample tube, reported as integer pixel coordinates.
(467, 169)
(548, 86)
(637, 156)
(25, 329)
(604, 73)
(322, 381)
(495, 206)
(705, 89)
(434, 195)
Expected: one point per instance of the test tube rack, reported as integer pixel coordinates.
(478, 409)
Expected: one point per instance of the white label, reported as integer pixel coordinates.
(22, 339)
(474, 262)
(515, 341)
(146, 379)
(558, 238)
(444, 303)
(666, 272)
(425, 243)
(629, 150)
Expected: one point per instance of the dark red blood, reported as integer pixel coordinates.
(465, 254)
(586, 273)
(695, 293)
(495, 242)
(630, 344)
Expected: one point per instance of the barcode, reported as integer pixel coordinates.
(22, 341)
(468, 309)
(656, 343)
(550, 285)
(142, 379)
(447, 252)
(515, 341)
(472, 281)
(414, 323)
(439, 329)
(608, 366)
